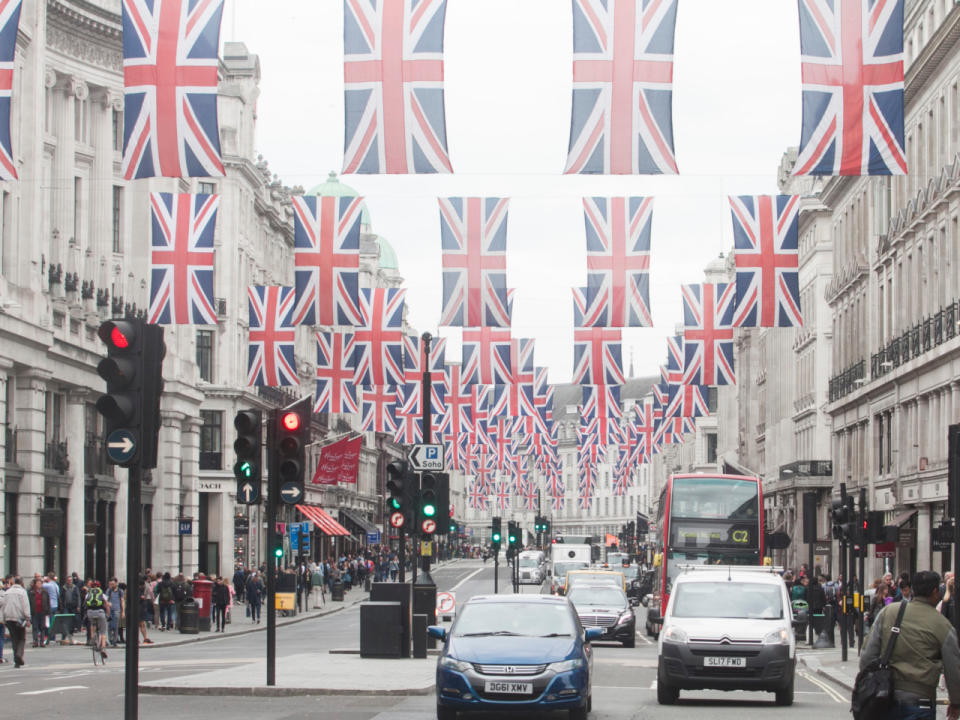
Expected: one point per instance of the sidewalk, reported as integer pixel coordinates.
(827, 664)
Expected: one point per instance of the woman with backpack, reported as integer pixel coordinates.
(165, 602)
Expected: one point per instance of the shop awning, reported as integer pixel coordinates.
(352, 518)
(322, 520)
(902, 518)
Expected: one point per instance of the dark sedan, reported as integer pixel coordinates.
(607, 608)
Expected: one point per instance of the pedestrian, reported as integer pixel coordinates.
(317, 585)
(39, 611)
(165, 602)
(71, 602)
(15, 613)
(926, 646)
(946, 605)
(254, 592)
(220, 600)
(53, 592)
(394, 568)
(146, 606)
(239, 582)
(114, 597)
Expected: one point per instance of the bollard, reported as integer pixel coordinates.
(419, 636)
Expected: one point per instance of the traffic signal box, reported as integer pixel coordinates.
(496, 533)
(443, 505)
(133, 370)
(248, 469)
(402, 484)
(513, 535)
(427, 503)
(291, 434)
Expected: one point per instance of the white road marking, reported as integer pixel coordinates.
(643, 636)
(55, 689)
(832, 693)
(475, 572)
(8, 684)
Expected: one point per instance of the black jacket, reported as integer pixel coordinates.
(221, 594)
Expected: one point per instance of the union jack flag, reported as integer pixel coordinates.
(181, 259)
(645, 428)
(622, 119)
(487, 354)
(170, 67)
(326, 256)
(484, 468)
(473, 235)
(528, 492)
(690, 401)
(597, 357)
(9, 25)
(379, 343)
(767, 258)
(270, 359)
(618, 259)
(502, 437)
(476, 497)
(336, 392)
(515, 399)
(601, 405)
(674, 368)
(501, 496)
(409, 426)
(480, 436)
(379, 410)
(708, 335)
(414, 367)
(852, 74)
(458, 418)
(393, 87)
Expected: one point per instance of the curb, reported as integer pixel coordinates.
(816, 668)
(277, 691)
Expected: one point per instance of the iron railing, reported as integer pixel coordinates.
(924, 336)
(95, 458)
(56, 457)
(9, 444)
(847, 381)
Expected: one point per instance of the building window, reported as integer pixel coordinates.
(711, 447)
(207, 188)
(81, 128)
(205, 354)
(712, 399)
(211, 440)
(880, 443)
(117, 121)
(77, 208)
(117, 205)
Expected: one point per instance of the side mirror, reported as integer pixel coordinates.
(592, 633)
(437, 632)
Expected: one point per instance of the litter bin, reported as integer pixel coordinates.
(189, 617)
(203, 597)
(801, 616)
(336, 593)
(381, 629)
(61, 625)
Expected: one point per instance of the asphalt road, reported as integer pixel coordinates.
(63, 682)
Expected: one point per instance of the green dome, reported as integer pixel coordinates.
(334, 188)
(388, 256)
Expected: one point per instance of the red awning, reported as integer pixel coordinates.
(324, 523)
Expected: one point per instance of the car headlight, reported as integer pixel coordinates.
(451, 663)
(674, 634)
(777, 637)
(566, 665)
(625, 617)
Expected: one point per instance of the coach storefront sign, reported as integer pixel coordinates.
(210, 486)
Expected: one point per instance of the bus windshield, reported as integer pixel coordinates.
(714, 498)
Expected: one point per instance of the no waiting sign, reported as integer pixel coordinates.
(446, 602)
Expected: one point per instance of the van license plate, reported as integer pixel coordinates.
(508, 688)
(725, 662)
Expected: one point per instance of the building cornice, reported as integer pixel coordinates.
(940, 46)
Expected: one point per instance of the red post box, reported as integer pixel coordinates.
(203, 595)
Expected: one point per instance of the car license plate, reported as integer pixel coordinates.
(724, 662)
(505, 687)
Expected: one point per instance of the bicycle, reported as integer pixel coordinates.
(98, 621)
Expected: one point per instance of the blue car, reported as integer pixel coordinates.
(512, 653)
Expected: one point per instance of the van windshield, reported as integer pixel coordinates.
(727, 600)
(562, 568)
(529, 562)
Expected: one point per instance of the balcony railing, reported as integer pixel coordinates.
(10, 444)
(847, 381)
(55, 456)
(932, 331)
(95, 458)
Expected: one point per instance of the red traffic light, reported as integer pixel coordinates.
(290, 421)
(118, 338)
(118, 334)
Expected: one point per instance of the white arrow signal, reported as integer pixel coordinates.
(246, 490)
(125, 444)
(291, 491)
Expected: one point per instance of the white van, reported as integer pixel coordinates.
(532, 567)
(727, 628)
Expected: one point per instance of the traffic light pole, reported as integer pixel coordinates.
(861, 566)
(273, 488)
(426, 391)
(134, 535)
(843, 601)
(496, 571)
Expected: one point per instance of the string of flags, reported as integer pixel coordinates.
(493, 412)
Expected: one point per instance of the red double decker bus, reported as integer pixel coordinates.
(705, 520)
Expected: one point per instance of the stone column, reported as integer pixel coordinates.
(101, 182)
(65, 91)
(75, 435)
(31, 416)
(167, 500)
(955, 401)
(189, 477)
(5, 367)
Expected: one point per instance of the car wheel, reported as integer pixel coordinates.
(580, 713)
(785, 694)
(666, 694)
(446, 713)
(632, 642)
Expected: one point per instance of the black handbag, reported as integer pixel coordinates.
(873, 688)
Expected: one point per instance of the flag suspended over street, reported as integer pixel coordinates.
(379, 409)
(393, 87)
(336, 392)
(271, 360)
(473, 238)
(767, 259)
(852, 74)
(597, 356)
(708, 334)
(181, 259)
(487, 356)
(326, 233)
(170, 67)
(618, 260)
(9, 27)
(378, 344)
(622, 120)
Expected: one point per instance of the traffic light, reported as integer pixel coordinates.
(428, 497)
(452, 528)
(513, 535)
(402, 486)
(851, 527)
(248, 468)
(291, 433)
(443, 502)
(546, 527)
(495, 533)
(873, 527)
(133, 370)
(278, 549)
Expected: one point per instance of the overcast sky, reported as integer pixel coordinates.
(508, 96)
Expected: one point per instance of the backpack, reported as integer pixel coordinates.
(179, 594)
(830, 591)
(166, 593)
(94, 599)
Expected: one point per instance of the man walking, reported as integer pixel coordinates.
(254, 595)
(15, 613)
(926, 646)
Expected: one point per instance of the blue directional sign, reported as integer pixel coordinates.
(291, 493)
(121, 446)
(295, 536)
(248, 492)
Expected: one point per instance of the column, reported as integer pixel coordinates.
(954, 401)
(101, 181)
(924, 554)
(31, 416)
(5, 367)
(75, 435)
(166, 506)
(65, 90)
(190, 473)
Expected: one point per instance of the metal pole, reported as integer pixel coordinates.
(813, 578)
(402, 554)
(861, 573)
(496, 571)
(843, 601)
(953, 493)
(426, 390)
(134, 535)
(273, 475)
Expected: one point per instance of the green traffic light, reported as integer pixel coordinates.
(394, 503)
(496, 537)
(429, 510)
(278, 552)
(244, 469)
